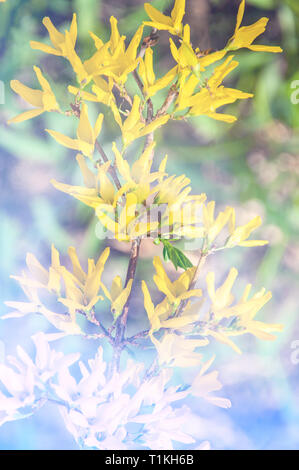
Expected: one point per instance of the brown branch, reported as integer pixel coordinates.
(111, 168)
(172, 95)
(122, 320)
(119, 341)
(141, 334)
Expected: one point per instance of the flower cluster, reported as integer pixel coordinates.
(99, 412)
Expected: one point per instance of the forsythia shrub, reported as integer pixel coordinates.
(134, 200)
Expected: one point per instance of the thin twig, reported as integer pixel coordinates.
(141, 334)
(172, 95)
(111, 167)
(119, 341)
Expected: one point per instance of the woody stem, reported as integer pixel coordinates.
(111, 168)
(119, 341)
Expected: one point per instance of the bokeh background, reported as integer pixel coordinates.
(252, 165)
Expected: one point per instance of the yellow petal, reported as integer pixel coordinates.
(156, 16)
(56, 37)
(141, 168)
(43, 82)
(115, 36)
(77, 269)
(54, 281)
(85, 131)
(24, 116)
(161, 274)
(224, 339)
(133, 46)
(134, 116)
(98, 126)
(240, 15)
(93, 281)
(73, 293)
(250, 243)
(260, 48)
(154, 125)
(241, 233)
(150, 309)
(73, 29)
(118, 304)
(44, 48)
(36, 269)
(64, 140)
(55, 259)
(85, 95)
(177, 14)
(75, 60)
(34, 97)
(116, 287)
(89, 177)
(223, 293)
(122, 165)
(107, 191)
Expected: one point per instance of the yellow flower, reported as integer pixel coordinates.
(113, 59)
(128, 219)
(222, 297)
(118, 295)
(98, 187)
(58, 39)
(245, 35)
(214, 226)
(86, 135)
(205, 383)
(239, 235)
(241, 314)
(147, 74)
(189, 60)
(62, 322)
(78, 291)
(179, 210)
(153, 312)
(178, 290)
(133, 127)
(185, 56)
(102, 91)
(172, 23)
(42, 100)
(162, 315)
(246, 310)
(138, 176)
(187, 85)
(83, 77)
(82, 289)
(215, 95)
(177, 351)
(120, 211)
(175, 191)
(140, 171)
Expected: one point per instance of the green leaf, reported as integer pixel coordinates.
(175, 255)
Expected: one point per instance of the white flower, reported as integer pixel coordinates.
(204, 384)
(25, 381)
